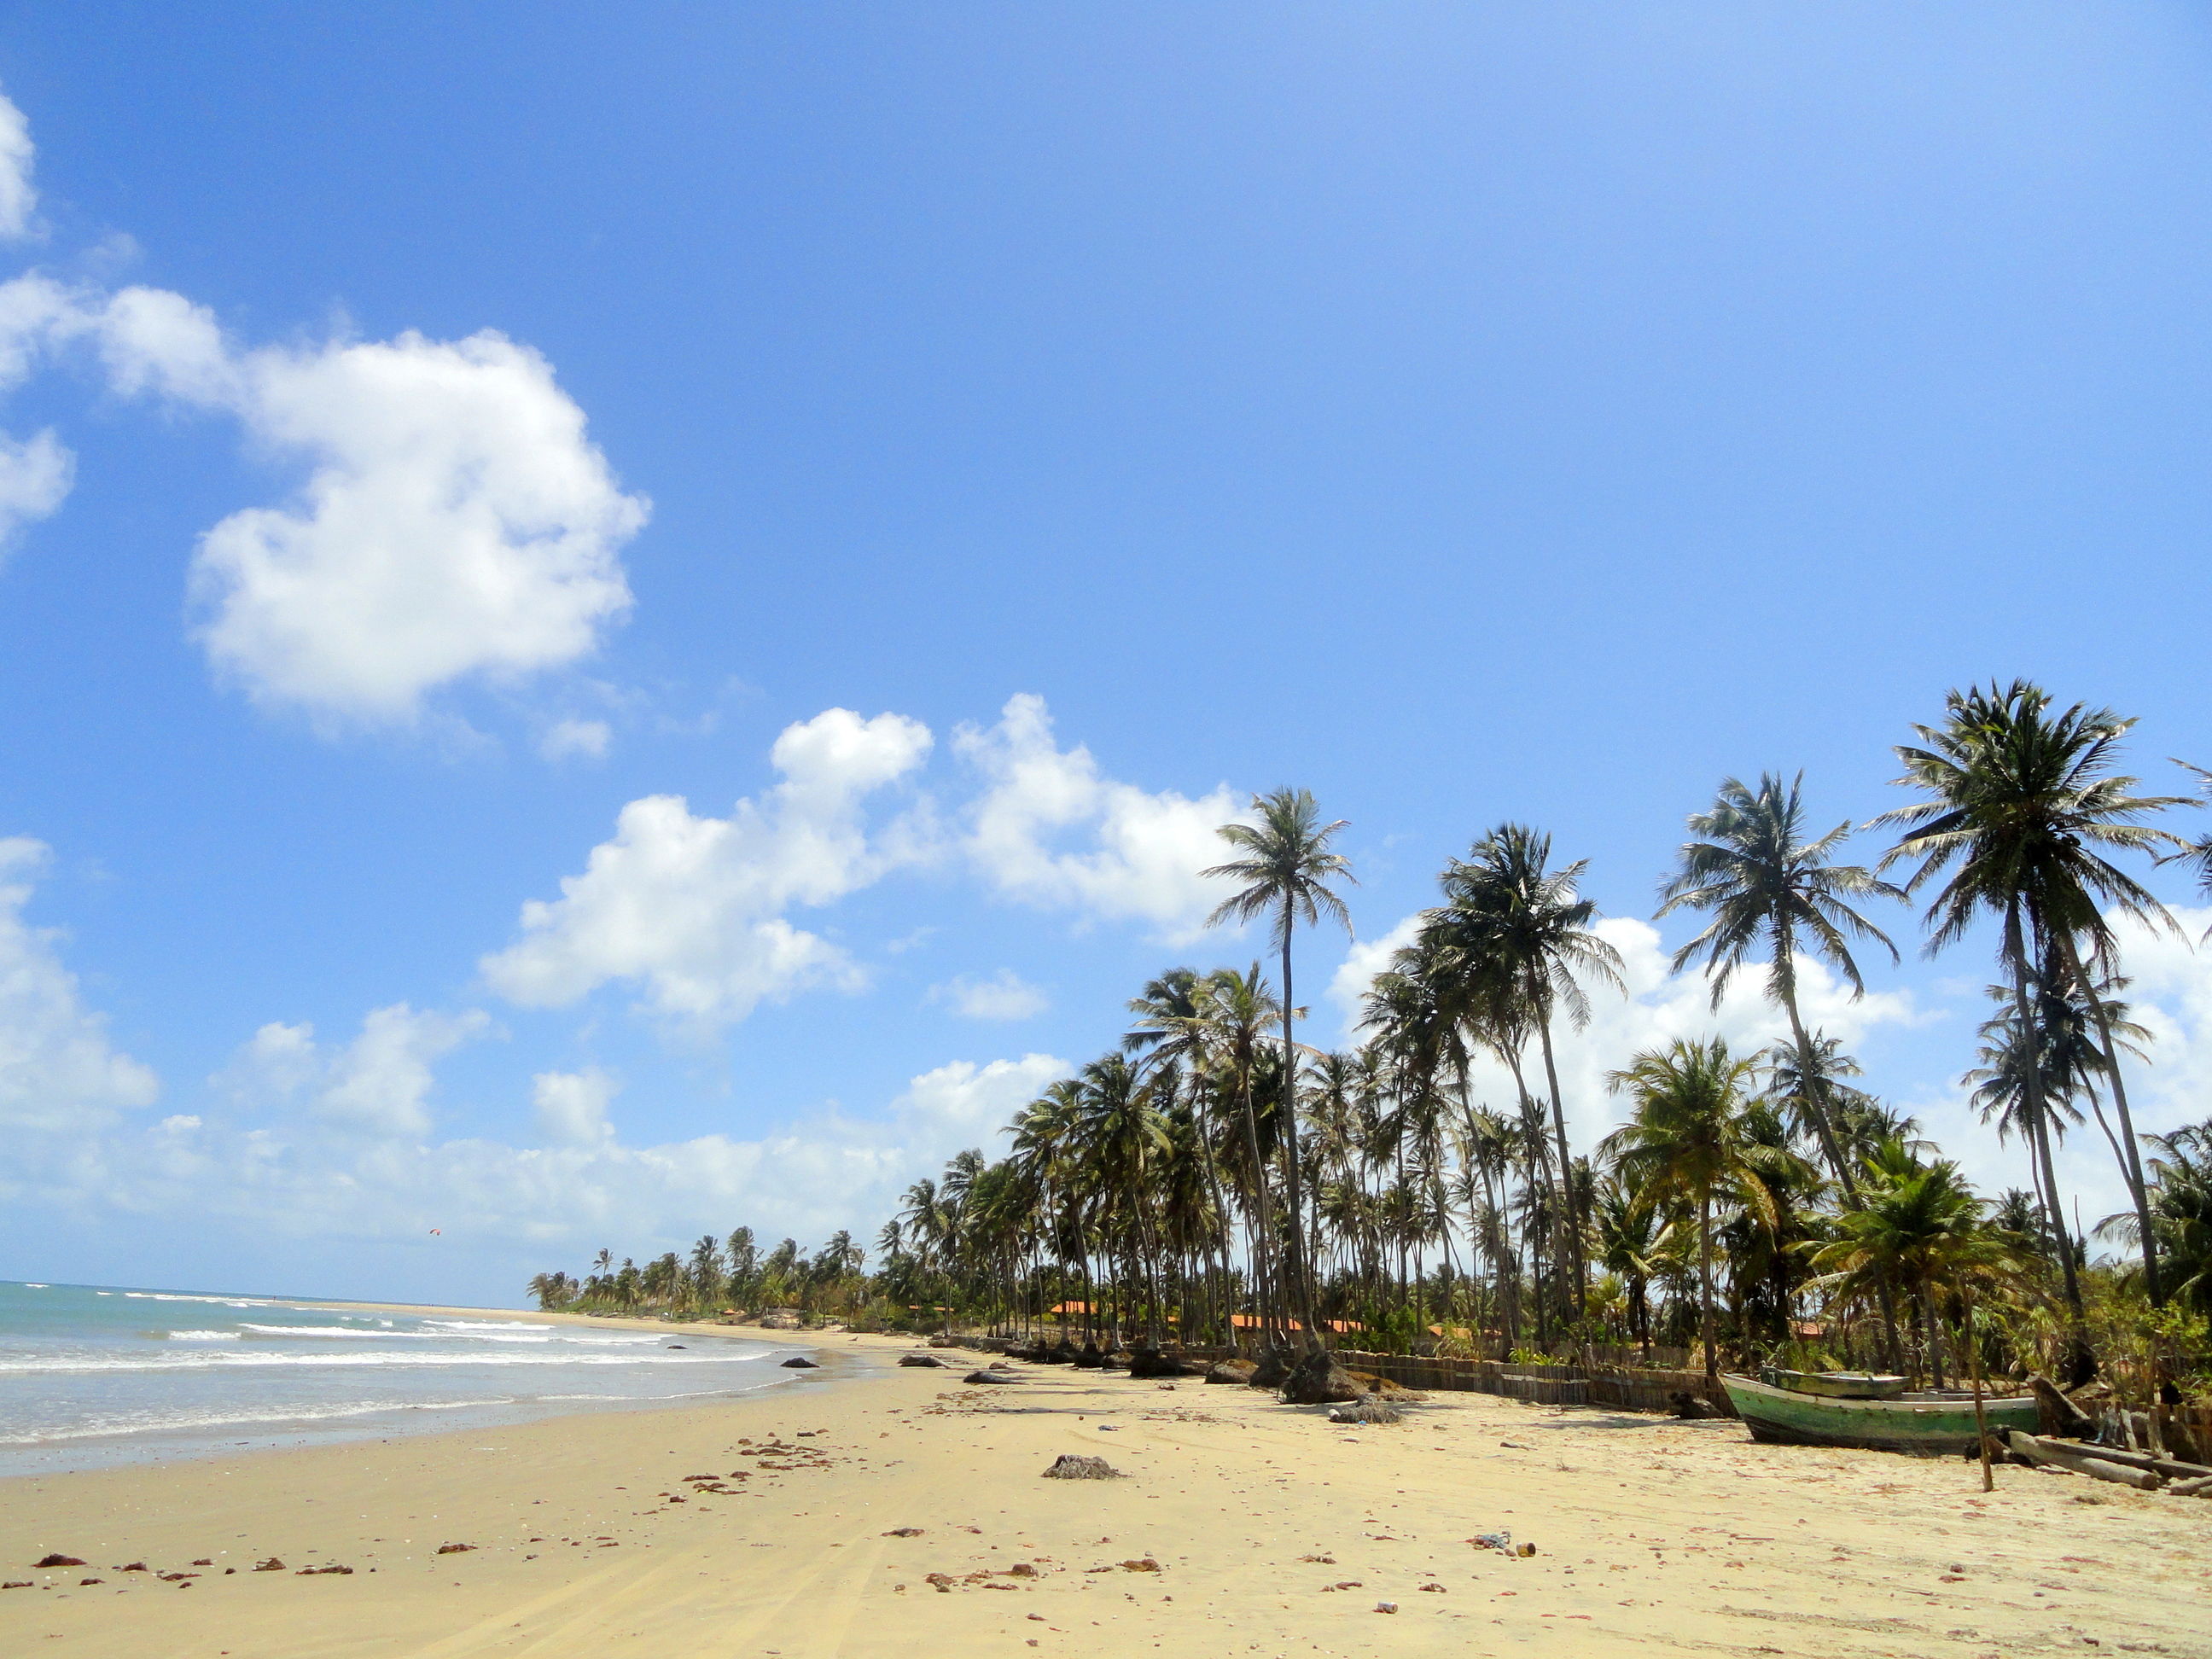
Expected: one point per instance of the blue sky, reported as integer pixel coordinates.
(483, 426)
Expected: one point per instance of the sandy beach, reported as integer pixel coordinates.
(869, 1508)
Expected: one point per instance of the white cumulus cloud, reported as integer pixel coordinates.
(19, 198)
(692, 908)
(1004, 995)
(571, 1107)
(300, 1177)
(378, 1084)
(58, 1069)
(453, 520)
(35, 475)
(565, 739)
(696, 909)
(1050, 830)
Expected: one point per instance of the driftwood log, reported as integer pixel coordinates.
(2083, 1459)
(2171, 1468)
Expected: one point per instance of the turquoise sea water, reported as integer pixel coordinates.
(91, 1374)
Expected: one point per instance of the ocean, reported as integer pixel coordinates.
(95, 1375)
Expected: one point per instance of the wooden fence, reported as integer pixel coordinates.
(1614, 1387)
(1622, 1387)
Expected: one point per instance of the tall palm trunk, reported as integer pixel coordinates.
(1816, 1085)
(2131, 1158)
(2080, 1362)
(1706, 1333)
(1570, 1212)
(1300, 1287)
(1259, 1208)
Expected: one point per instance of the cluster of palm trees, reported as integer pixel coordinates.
(1213, 1180)
(718, 1275)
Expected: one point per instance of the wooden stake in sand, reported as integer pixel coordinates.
(1974, 1365)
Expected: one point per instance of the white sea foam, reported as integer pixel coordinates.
(178, 1296)
(247, 1358)
(204, 1368)
(185, 1422)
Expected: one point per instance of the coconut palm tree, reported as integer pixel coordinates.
(1792, 1084)
(1169, 1027)
(1287, 866)
(743, 1259)
(2018, 804)
(2198, 854)
(705, 1275)
(1120, 1137)
(1517, 936)
(1916, 1231)
(2181, 1209)
(1235, 1010)
(1632, 1234)
(2026, 1088)
(1768, 888)
(1690, 1143)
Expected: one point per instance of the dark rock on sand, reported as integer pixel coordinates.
(1318, 1380)
(1087, 1358)
(59, 1561)
(928, 1360)
(1069, 1467)
(1273, 1368)
(801, 1362)
(1231, 1371)
(990, 1377)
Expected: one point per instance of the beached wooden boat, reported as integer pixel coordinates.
(1837, 1385)
(1928, 1424)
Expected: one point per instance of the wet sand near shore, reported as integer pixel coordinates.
(869, 1510)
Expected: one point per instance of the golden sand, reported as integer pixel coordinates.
(1243, 1527)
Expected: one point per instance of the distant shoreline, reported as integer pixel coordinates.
(142, 1385)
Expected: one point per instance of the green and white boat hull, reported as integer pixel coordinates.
(1917, 1425)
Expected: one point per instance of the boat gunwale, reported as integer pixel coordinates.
(1917, 1401)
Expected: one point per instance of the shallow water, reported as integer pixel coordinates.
(93, 1375)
